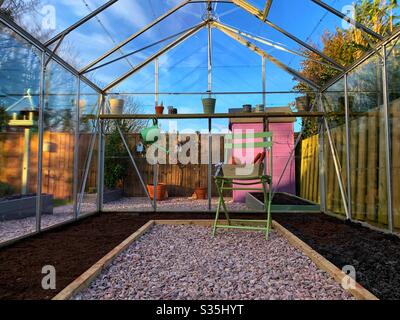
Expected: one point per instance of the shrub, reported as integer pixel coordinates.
(116, 160)
(6, 189)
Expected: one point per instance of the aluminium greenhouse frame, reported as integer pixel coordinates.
(49, 54)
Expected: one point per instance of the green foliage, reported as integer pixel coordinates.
(4, 118)
(116, 160)
(13, 9)
(6, 189)
(346, 46)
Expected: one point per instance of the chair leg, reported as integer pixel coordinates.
(221, 196)
(217, 214)
(267, 207)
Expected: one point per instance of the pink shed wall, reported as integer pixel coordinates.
(283, 139)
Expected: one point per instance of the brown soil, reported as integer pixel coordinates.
(282, 199)
(374, 255)
(74, 248)
(71, 249)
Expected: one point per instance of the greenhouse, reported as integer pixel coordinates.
(137, 135)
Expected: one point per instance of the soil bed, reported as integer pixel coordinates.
(74, 248)
(185, 262)
(71, 249)
(375, 255)
(282, 199)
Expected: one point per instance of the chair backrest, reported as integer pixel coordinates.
(266, 143)
(250, 140)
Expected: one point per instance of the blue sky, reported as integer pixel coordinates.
(184, 69)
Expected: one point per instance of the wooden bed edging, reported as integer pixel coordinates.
(359, 292)
(83, 281)
(86, 278)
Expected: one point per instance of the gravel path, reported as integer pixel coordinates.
(185, 262)
(172, 204)
(17, 228)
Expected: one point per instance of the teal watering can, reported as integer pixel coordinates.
(151, 134)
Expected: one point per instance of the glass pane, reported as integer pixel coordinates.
(46, 18)
(367, 143)
(393, 50)
(59, 142)
(123, 190)
(20, 66)
(88, 150)
(333, 100)
(386, 12)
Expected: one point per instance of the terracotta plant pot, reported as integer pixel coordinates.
(161, 191)
(159, 110)
(117, 106)
(201, 193)
(302, 103)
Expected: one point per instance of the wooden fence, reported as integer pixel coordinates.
(58, 166)
(368, 167)
(58, 162)
(182, 179)
(309, 170)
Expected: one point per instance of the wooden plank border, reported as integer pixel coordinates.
(88, 276)
(359, 292)
(83, 281)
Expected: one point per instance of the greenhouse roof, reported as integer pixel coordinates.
(109, 42)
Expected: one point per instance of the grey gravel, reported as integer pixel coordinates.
(185, 262)
(174, 204)
(16, 228)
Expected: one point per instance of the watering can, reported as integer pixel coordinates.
(151, 134)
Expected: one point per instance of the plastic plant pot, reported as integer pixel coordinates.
(117, 106)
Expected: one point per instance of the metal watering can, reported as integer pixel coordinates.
(151, 134)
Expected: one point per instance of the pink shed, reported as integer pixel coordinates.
(283, 143)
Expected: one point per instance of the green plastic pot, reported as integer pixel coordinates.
(209, 105)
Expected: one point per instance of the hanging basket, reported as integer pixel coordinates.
(209, 103)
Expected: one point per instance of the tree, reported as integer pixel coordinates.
(15, 8)
(346, 46)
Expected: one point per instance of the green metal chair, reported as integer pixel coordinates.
(245, 176)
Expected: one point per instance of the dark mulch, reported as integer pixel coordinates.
(74, 248)
(282, 199)
(71, 249)
(375, 255)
